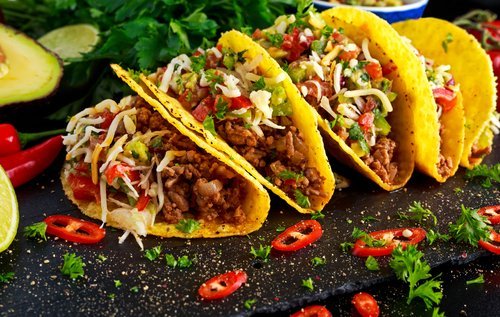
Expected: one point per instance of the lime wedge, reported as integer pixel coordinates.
(71, 41)
(9, 213)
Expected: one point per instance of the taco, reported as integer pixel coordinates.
(472, 70)
(140, 170)
(243, 105)
(349, 65)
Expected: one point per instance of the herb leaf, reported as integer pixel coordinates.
(6, 277)
(301, 199)
(448, 39)
(249, 303)
(470, 227)
(262, 252)
(487, 174)
(286, 174)
(209, 125)
(188, 225)
(477, 280)
(308, 283)
(317, 215)
(356, 134)
(72, 266)
(153, 253)
(418, 213)
(36, 230)
(432, 236)
(346, 246)
(182, 262)
(317, 261)
(259, 84)
(371, 263)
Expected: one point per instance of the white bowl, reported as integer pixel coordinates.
(412, 9)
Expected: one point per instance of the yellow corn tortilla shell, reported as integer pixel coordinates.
(471, 68)
(385, 46)
(303, 118)
(428, 142)
(256, 204)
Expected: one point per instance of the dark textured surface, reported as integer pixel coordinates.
(40, 289)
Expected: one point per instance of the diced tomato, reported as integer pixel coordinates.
(388, 68)
(293, 44)
(83, 188)
(337, 37)
(82, 167)
(312, 311)
(142, 202)
(298, 236)
(197, 53)
(348, 55)
(370, 104)
(492, 213)
(240, 102)
(74, 229)
(392, 237)
(120, 171)
(108, 118)
(445, 97)
(205, 107)
(374, 70)
(221, 99)
(290, 182)
(222, 285)
(365, 121)
(365, 305)
(257, 34)
(212, 61)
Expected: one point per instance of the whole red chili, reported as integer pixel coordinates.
(12, 141)
(23, 166)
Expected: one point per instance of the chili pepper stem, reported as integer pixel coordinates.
(25, 138)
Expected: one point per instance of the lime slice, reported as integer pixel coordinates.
(9, 213)
(71, 41)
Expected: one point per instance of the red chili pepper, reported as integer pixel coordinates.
(493, 214)
(12, 141)
(222, 285)
(493, 245)
(74, 229)
(392, 238)
(298, 236)
(23, 166)
(365, 305)
(312, 311)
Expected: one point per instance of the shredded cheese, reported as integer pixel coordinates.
(113, 152)
(366, 51)
(386, 104)
(74, 119)
(337, 77)
(325, 104)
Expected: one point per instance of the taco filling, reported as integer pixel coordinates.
(141, 170)
(370, 3)
(483, 145)
(342, 81)
(228, 94)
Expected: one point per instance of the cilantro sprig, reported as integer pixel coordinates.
(262, 252)
(72, 266)
(418, 213)
(188, 225)
(470, 227)
(36, 231)
(153, 253)
(6, 277)
(181, 262)
(477, 280)
(488, 175)
(308, 284)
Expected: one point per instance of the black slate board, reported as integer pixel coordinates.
(40, 289)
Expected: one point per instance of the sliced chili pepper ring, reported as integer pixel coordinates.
(393, 237)
(74, 229)
(222, 285)
(313, 311)
(492, 213)
(298, 236)
(493, 245)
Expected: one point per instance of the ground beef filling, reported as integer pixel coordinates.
(278, 151)
(381, 158)
(445, 164)
(195, 184)
(478, 153)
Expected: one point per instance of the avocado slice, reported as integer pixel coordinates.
(29, 72)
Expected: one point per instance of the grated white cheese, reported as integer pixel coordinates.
(114, 125)
(271, 124)
(386, 104)
(337, 77)
(113, 152)
(325, 104)
(230, 89)
(175, 66)
(250, 65)
(74, 119)
(129, 124)
(104, 200)
(261, 99)
(348, 110)
(169, 156)
(88, 132)
(366, 51)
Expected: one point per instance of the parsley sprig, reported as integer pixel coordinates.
(188, 225)
(366, 238)
(72, 266)
(153, 253)
(6, 277)
(262, 252)
(470, 227)
(409, 266)
(181, 262)
(488, 175)
(418, 213)
(36, 231)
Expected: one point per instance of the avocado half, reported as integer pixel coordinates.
(29, 72)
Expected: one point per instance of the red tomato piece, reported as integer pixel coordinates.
(374, 70)
(142, 202)
(240, 102)
(108, 118)
(257, 34)
(492, 213)
(222, 285)
(393, 238)
(337, 37)
(445, 97)
(205, 107)
(298, 236)
(74, 229)
(365, 305)
(83, 188)
(295, 44)
(493, 245)
(388, 68)
(365, 121)
(120, 171)
(348, 55)
(312, 311)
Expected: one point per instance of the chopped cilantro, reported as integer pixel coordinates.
(341, 30)
(470, 227)
(118, 283)
(198, 62)
(437, 313)
(286, 174)
(356, 134)
(188, 225)
(327, 31)
(275, 39)
(249, 303)
(134, 289)
(317, 215)
(111, 296)
(432, 236)
(262, 252)
(369, 219)
(182, 262)
(457, 190)
(259, 84)
(221, 108)
(487, 174)
(213, 78)
(36, 230)
(230, 58)
(447, 40)
(346, 246)
(156, 142)
(153, 253)
(372, 264)
(409, 267)
(209, 124)
(365, 77)
(101, 258)
(418, 213)
(6, 277)
(308, 283)
(301, 199)
(317, 261)
(368, 239)
(72, 266)
(477, 280)
(280, 229)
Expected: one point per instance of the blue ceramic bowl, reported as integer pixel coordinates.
(412, 9)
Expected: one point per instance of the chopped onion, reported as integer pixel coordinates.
(386, 104)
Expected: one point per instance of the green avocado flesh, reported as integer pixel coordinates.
(28, 71)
